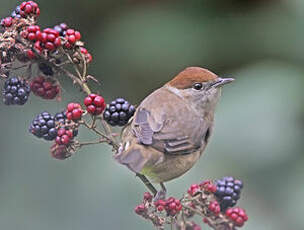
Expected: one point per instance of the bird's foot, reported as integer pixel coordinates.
(161, 194)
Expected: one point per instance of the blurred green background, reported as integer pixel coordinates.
(137, 46)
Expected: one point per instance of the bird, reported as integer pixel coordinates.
(172, 126)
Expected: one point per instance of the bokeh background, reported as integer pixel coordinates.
(137, 46)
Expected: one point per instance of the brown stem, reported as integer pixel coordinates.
(107, 138)
(91, 142)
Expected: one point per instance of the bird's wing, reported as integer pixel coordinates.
(166, 135)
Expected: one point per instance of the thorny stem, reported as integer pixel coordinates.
(106, 137)
(192, 209)
(91, 142)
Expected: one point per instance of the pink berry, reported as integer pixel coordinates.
(28, 9)
(77, 113)
(71, 39)
(160, 208)
(88, 101)
(148, 197)
(91, 109)
(70, 31)
(77, 35)
(70, 107)
(57, 42)
(30, 54)
(50, 46)
(51, 37)
(31, 36)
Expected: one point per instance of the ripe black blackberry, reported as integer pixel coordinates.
(16, 13)
(228, 191)
(60, 117)
(118, 112)
(44, 126)
(46, 69)
(16, 91)
(61, 28)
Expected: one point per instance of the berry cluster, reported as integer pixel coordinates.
(140, 209)
(64, 136)
(228, 191)
(29, 8)
(148, 197)
(95, 104)
(171, 205)
(200, 199)
(74, 112)
(71, 36)
(214, 207)
(6, 22)
(45, 87)
(31, 32)
(86, 54)
(237, 215)
(44, 126)
(193, 190)
(16, 91)
(47, 39)
(206, 185)
(60, 152)
(118, 112)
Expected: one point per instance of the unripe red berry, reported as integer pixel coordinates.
(64, 137)
(214, 207)
(72, 39)
(30, 54)
(88, 101)
(95, 104)
(46, 88)
(76, 114)
(77, 35)
(140, 209)
(57, 42)
(160, 208)
(50, 46)
(194, 188)
(237, 215)
(74, 111)
(148, 197)
(7, 22)
(59, 152)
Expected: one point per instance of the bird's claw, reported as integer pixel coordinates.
(160, 195)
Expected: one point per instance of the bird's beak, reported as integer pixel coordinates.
(222, 81)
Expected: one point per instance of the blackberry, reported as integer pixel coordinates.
(228, 191)
(16, 13)
(46, 69)
(16, 91)
(118, 112)
(44, 126)
(61, 28)
(60, 117)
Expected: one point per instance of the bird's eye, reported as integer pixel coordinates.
(197, 86)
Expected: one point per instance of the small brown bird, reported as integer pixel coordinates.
(172, 126)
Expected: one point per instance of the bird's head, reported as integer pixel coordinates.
(198, 86)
